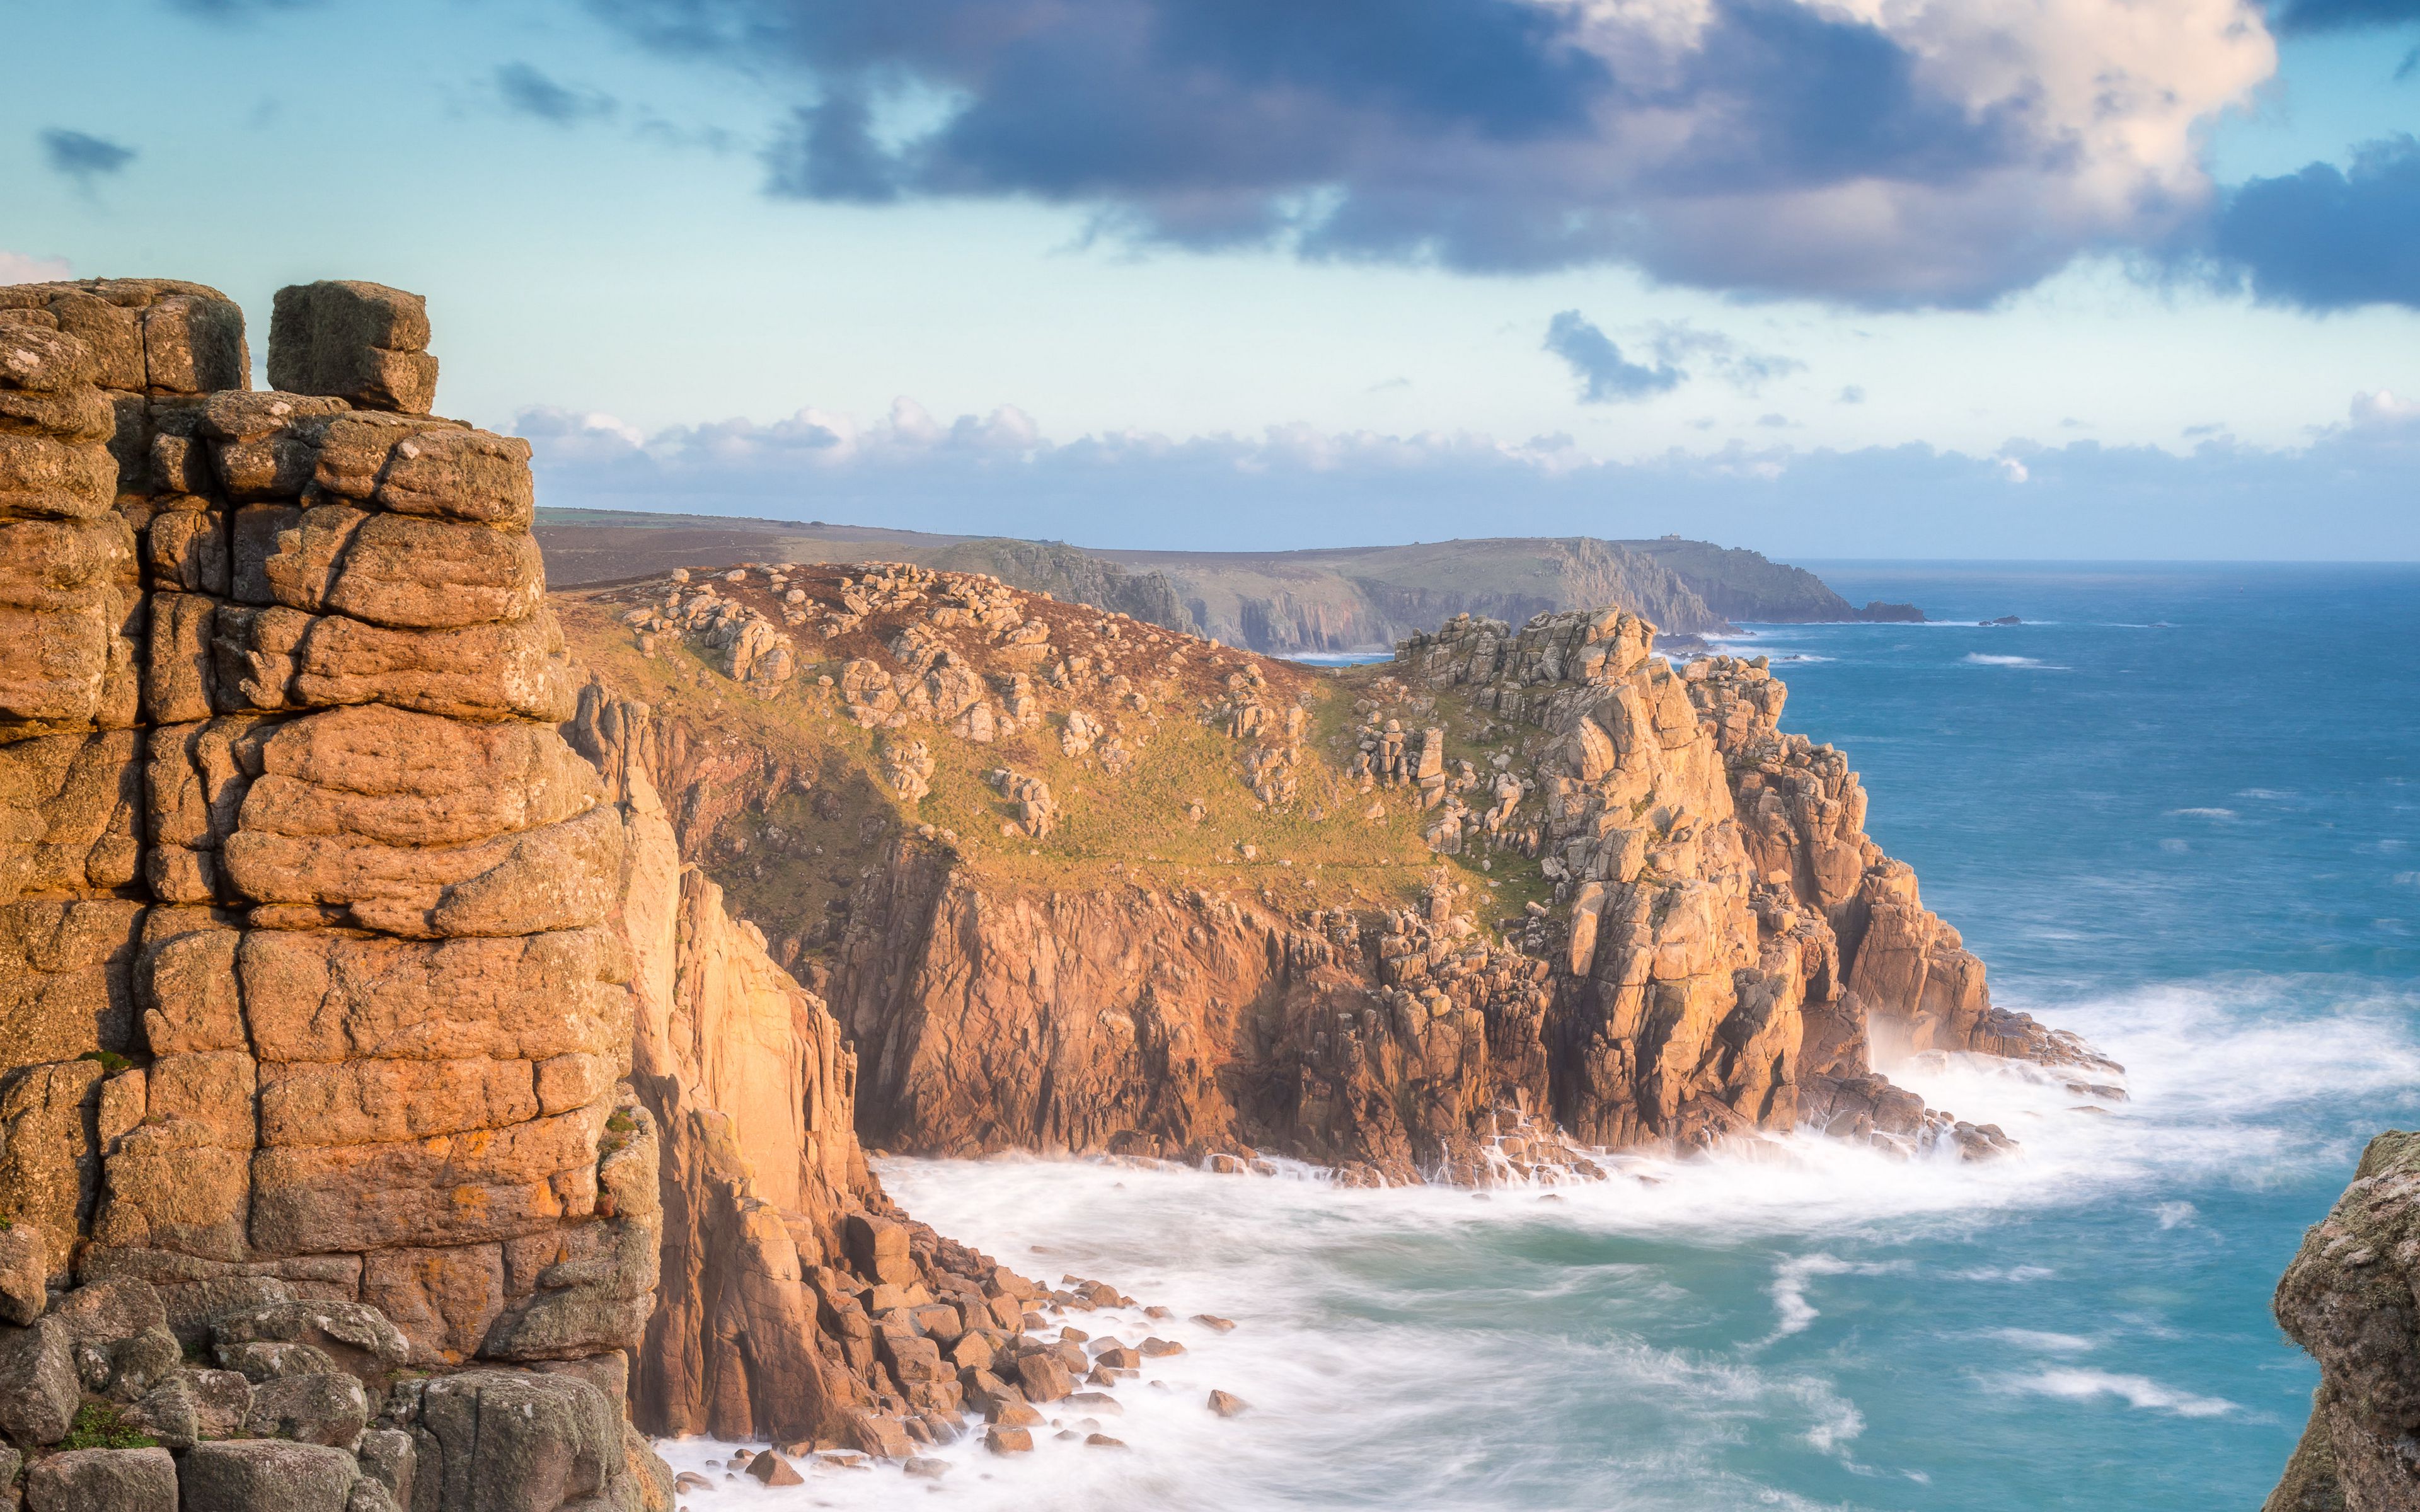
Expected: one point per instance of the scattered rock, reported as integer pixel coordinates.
(773, 1469)
(1004, 1441)
(1226, 1404)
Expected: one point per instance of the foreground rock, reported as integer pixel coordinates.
(2348, 1298)
(364, 1049)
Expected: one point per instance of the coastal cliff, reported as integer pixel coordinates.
(387, 1119)
(1071, 882)
(2348, 1298)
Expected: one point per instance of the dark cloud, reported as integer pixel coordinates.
(81, 156)
(1606, 376)
(2340, 15)
(525, 89)
(1488, 135)
(2326, 238)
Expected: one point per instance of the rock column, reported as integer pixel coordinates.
(309, 974)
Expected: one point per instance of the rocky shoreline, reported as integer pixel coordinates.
(445, 1021)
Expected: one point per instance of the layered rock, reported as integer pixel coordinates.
(316, 1009)
(2348, 1298)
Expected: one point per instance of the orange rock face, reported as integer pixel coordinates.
(325, 901)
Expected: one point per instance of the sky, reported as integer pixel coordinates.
(1824, 278)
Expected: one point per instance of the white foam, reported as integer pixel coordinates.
(1981, 659)
(1420, 1341)
(2201, 814)
(2139, 1392)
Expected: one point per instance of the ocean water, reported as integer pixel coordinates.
(2178, 810)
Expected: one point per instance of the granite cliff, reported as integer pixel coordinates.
(1074, 882)
(388, 1118)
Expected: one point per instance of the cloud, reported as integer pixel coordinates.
(532, 93)
(1606, 376)
(2344, 496)
(17, 268)
(1852, 393)
(1931, 152)
(1743, 368)
(2328, 237)
(81, 156)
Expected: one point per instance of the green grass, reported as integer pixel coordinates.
(100, 1426)
(785, 863)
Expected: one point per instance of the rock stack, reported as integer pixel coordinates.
(1731, 940)
(316, 1034)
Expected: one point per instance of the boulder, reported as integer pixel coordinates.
(38, 1385)
(103, 1480)
(264, 1361)
(358, 1338)
(268, 1475)
(191, 1406)
(1227, 1404)
(24, 1271)
(329, 1407)
(1043, 1378)
(388, 1458)
(773, 1469)
(360, 342)
(509, 1441)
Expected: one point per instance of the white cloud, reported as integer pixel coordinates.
(17, 268)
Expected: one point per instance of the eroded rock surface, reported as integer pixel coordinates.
(2348, 1298)
(1718, 951)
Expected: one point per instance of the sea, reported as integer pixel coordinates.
(2176, 810)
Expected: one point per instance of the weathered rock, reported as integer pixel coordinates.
(268, 1475)
(328, 1408)
(103, 1480)
(2348, 1298)
(358, 1338)
(360, 342)
(1227, 1404)
(512, 1441)
(25, 1273)
(191, 1406)
(38, 1385)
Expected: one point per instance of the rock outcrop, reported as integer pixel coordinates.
(2348, 1298)
(1710, 945)
(317, 1024)
(378, 1092)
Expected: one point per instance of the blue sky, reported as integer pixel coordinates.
(1926, 278)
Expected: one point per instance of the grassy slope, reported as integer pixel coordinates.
(783, 863)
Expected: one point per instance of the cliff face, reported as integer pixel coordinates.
(317, 1022)
(1702, 941)
(2348, 1298)
(363, 1037)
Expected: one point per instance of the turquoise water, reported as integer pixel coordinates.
(2175, 810)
